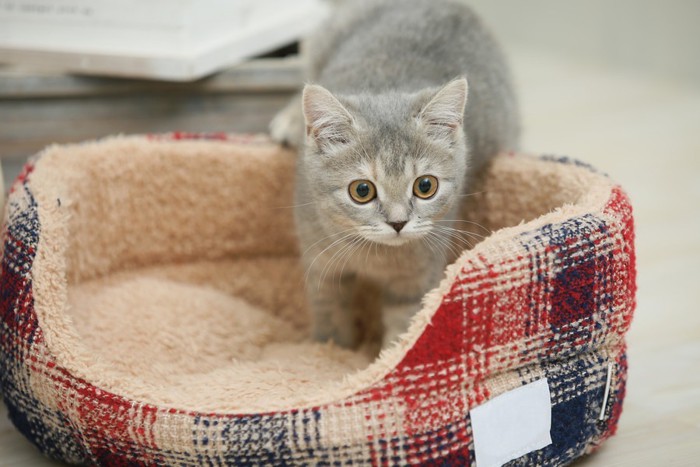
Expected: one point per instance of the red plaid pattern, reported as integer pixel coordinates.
(553, 301)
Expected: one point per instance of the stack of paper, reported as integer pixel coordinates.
(158, 39)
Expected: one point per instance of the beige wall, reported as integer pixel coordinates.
(659, 37)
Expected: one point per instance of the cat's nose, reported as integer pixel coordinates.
(397, 225)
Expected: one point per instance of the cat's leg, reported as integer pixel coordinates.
(331, 308)
(396, 318)
(288, 125)
(402, 300)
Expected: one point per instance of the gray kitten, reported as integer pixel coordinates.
(389, 151)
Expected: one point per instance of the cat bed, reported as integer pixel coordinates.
(153, 314)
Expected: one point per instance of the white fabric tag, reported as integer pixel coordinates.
(512, 424)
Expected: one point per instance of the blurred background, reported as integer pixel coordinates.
(184, 48)
(616, 84)
(654, 37)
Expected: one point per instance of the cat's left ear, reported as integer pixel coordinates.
(443, 115)
(328, 122)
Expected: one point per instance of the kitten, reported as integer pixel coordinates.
(389, 151)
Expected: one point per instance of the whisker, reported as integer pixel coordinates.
(439, 246)
(429, 244)
(327, 267)
(447, 243)
(466, 222)
(348, 250)
(294, 205)
(456, 235)
(308, 269)
(460, 231)
(466, 237)
(369, 248)
(358, 246)
(455, 248)
(472, 235)
(325, 238)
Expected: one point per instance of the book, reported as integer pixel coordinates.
(177, 40)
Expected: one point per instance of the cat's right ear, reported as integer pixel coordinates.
(444, 114)
(328, 122)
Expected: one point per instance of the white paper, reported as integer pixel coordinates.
(512, 424)
(177, 40)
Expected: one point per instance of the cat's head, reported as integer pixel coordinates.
(386, 166)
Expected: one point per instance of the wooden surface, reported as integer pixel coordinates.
(41, 109)
(644, 133)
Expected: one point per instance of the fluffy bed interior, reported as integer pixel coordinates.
(180, 273)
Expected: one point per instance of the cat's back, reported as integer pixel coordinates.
(380, 46)
(371, 43)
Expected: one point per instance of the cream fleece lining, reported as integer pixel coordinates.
(167, 272)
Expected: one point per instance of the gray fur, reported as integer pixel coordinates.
(394, 112)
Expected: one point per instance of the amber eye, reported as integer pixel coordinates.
(425, 187)
(362, 191)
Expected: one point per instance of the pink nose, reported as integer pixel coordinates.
(397, 225)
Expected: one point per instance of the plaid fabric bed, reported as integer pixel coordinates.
(557, 305)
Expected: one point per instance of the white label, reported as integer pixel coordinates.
(512, 424)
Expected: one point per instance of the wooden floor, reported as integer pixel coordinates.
(645, 133)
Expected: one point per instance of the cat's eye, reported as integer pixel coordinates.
(362, 191)
(425, 186)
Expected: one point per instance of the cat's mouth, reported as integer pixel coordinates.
(395, 240)
(392, 238)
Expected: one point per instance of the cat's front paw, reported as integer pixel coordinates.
(342, 337)
(396, 319)
(288, 125)
(391, 336)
